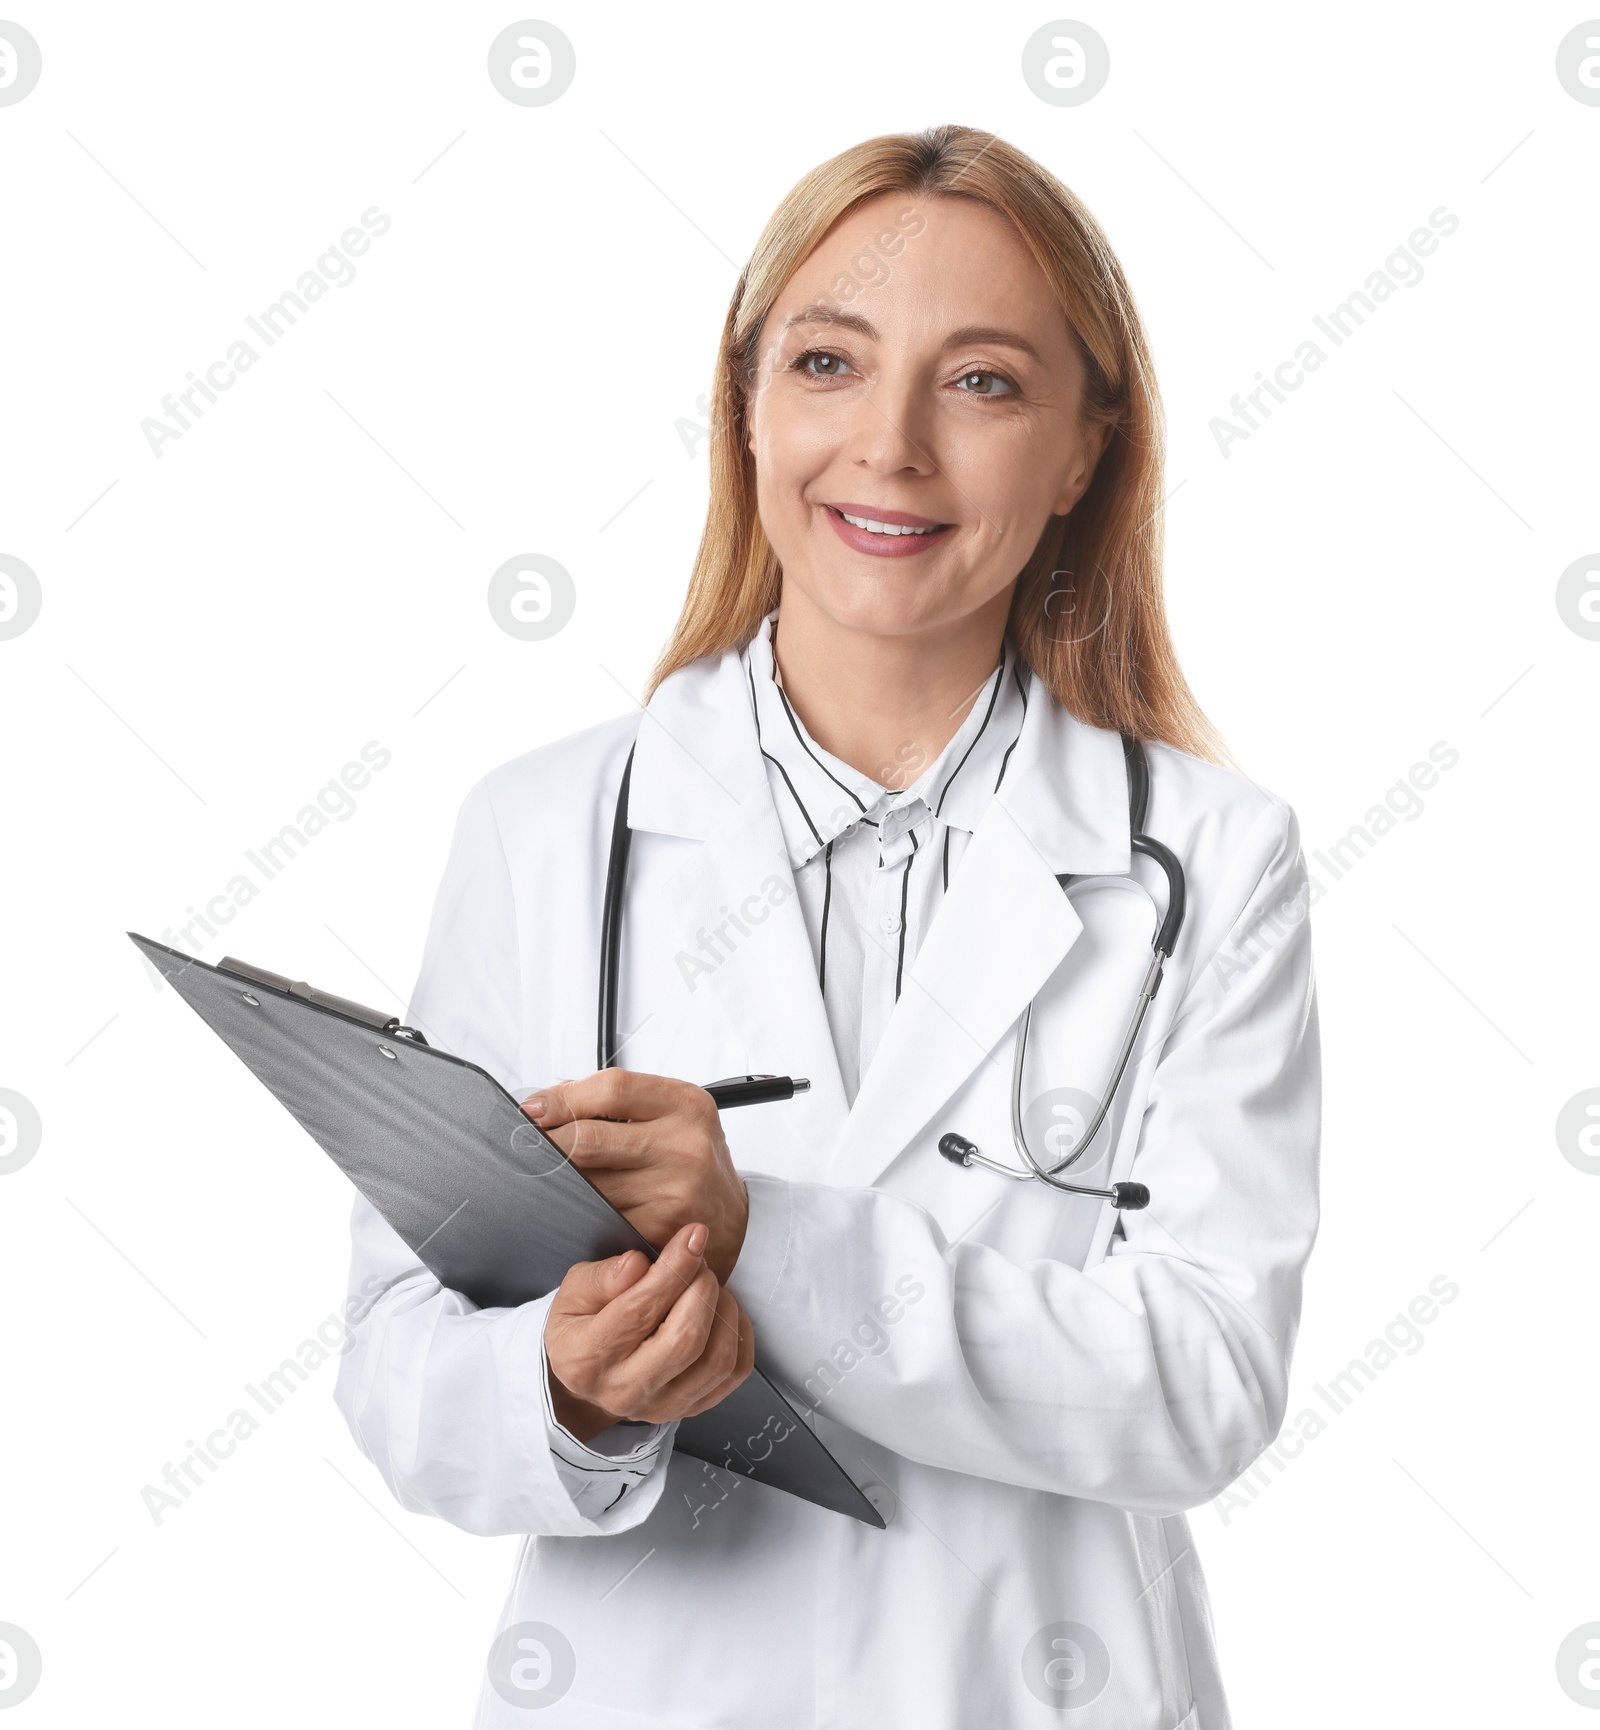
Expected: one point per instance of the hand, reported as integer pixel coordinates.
(628, 1338)
(654, 1149)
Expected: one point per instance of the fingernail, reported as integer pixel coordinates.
(536, 1105)
(697, 1239)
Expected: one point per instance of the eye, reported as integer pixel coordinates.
(821, 363)
(980, 383)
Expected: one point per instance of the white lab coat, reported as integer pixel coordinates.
(1034, 1422)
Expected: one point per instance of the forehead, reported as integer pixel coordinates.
(910, 258)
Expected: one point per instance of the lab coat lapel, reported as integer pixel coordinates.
(1003, 929)
(698, 773)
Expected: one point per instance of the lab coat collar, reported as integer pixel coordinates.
(697, 759)
(1003, 929)
(1066, 788)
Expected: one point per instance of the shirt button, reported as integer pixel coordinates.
(881, 1499)
(890, 922)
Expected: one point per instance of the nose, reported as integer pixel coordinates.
(892, 428)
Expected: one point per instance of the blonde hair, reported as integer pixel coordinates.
(1121, 672)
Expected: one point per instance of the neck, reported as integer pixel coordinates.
(887, 706)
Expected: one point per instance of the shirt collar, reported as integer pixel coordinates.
(819, 797)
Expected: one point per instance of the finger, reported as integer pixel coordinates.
(742, 1369)
(590, 1285)
(622, 1375)
(655, 1204)
(548, 1106)
(642, 1307)
(728, 1358)
(723, 1344)
(597, 1144)
(684, 1335)
(614, 1093)
(747, 1339)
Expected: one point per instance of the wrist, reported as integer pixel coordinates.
(726, 1258)
(580, 1418)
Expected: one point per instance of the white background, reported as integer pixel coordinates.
(305, 570)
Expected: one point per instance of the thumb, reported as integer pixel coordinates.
(590, 1285)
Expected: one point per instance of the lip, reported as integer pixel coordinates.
(886, 546)
(897, 519)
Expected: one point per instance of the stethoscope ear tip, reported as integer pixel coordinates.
(1129, 1197)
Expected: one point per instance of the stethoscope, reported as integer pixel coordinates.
(1129, 1196)
(956, 1148)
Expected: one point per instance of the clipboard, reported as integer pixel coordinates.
(487, 1203)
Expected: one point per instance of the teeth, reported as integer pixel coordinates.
(885, 528)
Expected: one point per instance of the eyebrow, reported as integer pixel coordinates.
(817, 313)
(995, 334)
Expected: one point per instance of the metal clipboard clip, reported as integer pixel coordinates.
(340, 1005)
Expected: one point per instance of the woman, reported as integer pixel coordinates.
(926, 603)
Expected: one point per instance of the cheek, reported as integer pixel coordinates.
(790, 421)
(1012, 472)
(791, 450)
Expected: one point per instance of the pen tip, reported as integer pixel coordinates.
(801, 1085)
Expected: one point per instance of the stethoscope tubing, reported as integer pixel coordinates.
(606, 1044)
(1047, 1174)
(1126, 1195)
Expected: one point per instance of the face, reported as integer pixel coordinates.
(912, 440)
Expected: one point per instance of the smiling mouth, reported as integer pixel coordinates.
(873, 526)
(884, 531)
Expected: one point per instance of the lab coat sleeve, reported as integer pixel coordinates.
(1151, 1378)
(448, 1401)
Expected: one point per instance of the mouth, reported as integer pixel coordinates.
(885, 533)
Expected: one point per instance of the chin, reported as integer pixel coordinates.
(890, 605)
(892, 600)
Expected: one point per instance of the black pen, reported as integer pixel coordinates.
(755, 1089)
